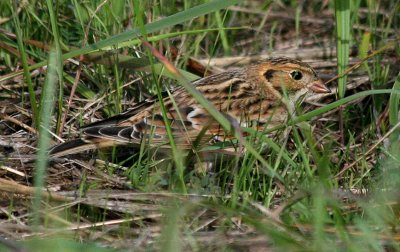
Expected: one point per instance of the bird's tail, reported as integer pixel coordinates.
(70, 147)
(76, 146)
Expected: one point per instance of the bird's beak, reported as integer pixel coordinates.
(319, 87)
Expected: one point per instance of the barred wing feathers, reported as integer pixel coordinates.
(228, 92)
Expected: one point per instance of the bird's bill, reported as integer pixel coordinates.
(319, 87)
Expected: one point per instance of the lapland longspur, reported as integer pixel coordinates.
(254, 94)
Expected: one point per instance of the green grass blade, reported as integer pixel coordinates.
(342, 11)
(44, 138)
(58, 53)
(26, 67)
(394, 103)
(222, 33)
(394, 108)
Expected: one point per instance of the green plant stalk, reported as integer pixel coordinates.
(364, 48)
(170, 235)
(271, 37)
(178, 159)
(79, 13)
(118, 90)
(304, 158)
(93, 15)
(58, 54)
(342, 12)
(223, 37)
(320, 161)
(279, 149)
(44, 138)
(319, 213)
(394, 108)
(26, 67)
(394, 103)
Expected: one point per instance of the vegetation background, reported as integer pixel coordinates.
(326, 181)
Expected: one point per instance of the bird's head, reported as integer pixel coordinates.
(294, 77)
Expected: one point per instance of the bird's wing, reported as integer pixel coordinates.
(186, 118)
(189, 122)
(145, 121)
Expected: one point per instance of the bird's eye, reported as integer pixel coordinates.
(296, 75)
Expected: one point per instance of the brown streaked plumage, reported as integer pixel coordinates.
(254, 94)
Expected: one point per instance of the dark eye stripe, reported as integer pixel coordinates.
(269, 74)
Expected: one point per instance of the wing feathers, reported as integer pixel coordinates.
(229, 92)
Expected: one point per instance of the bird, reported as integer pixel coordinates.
(261, 94)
